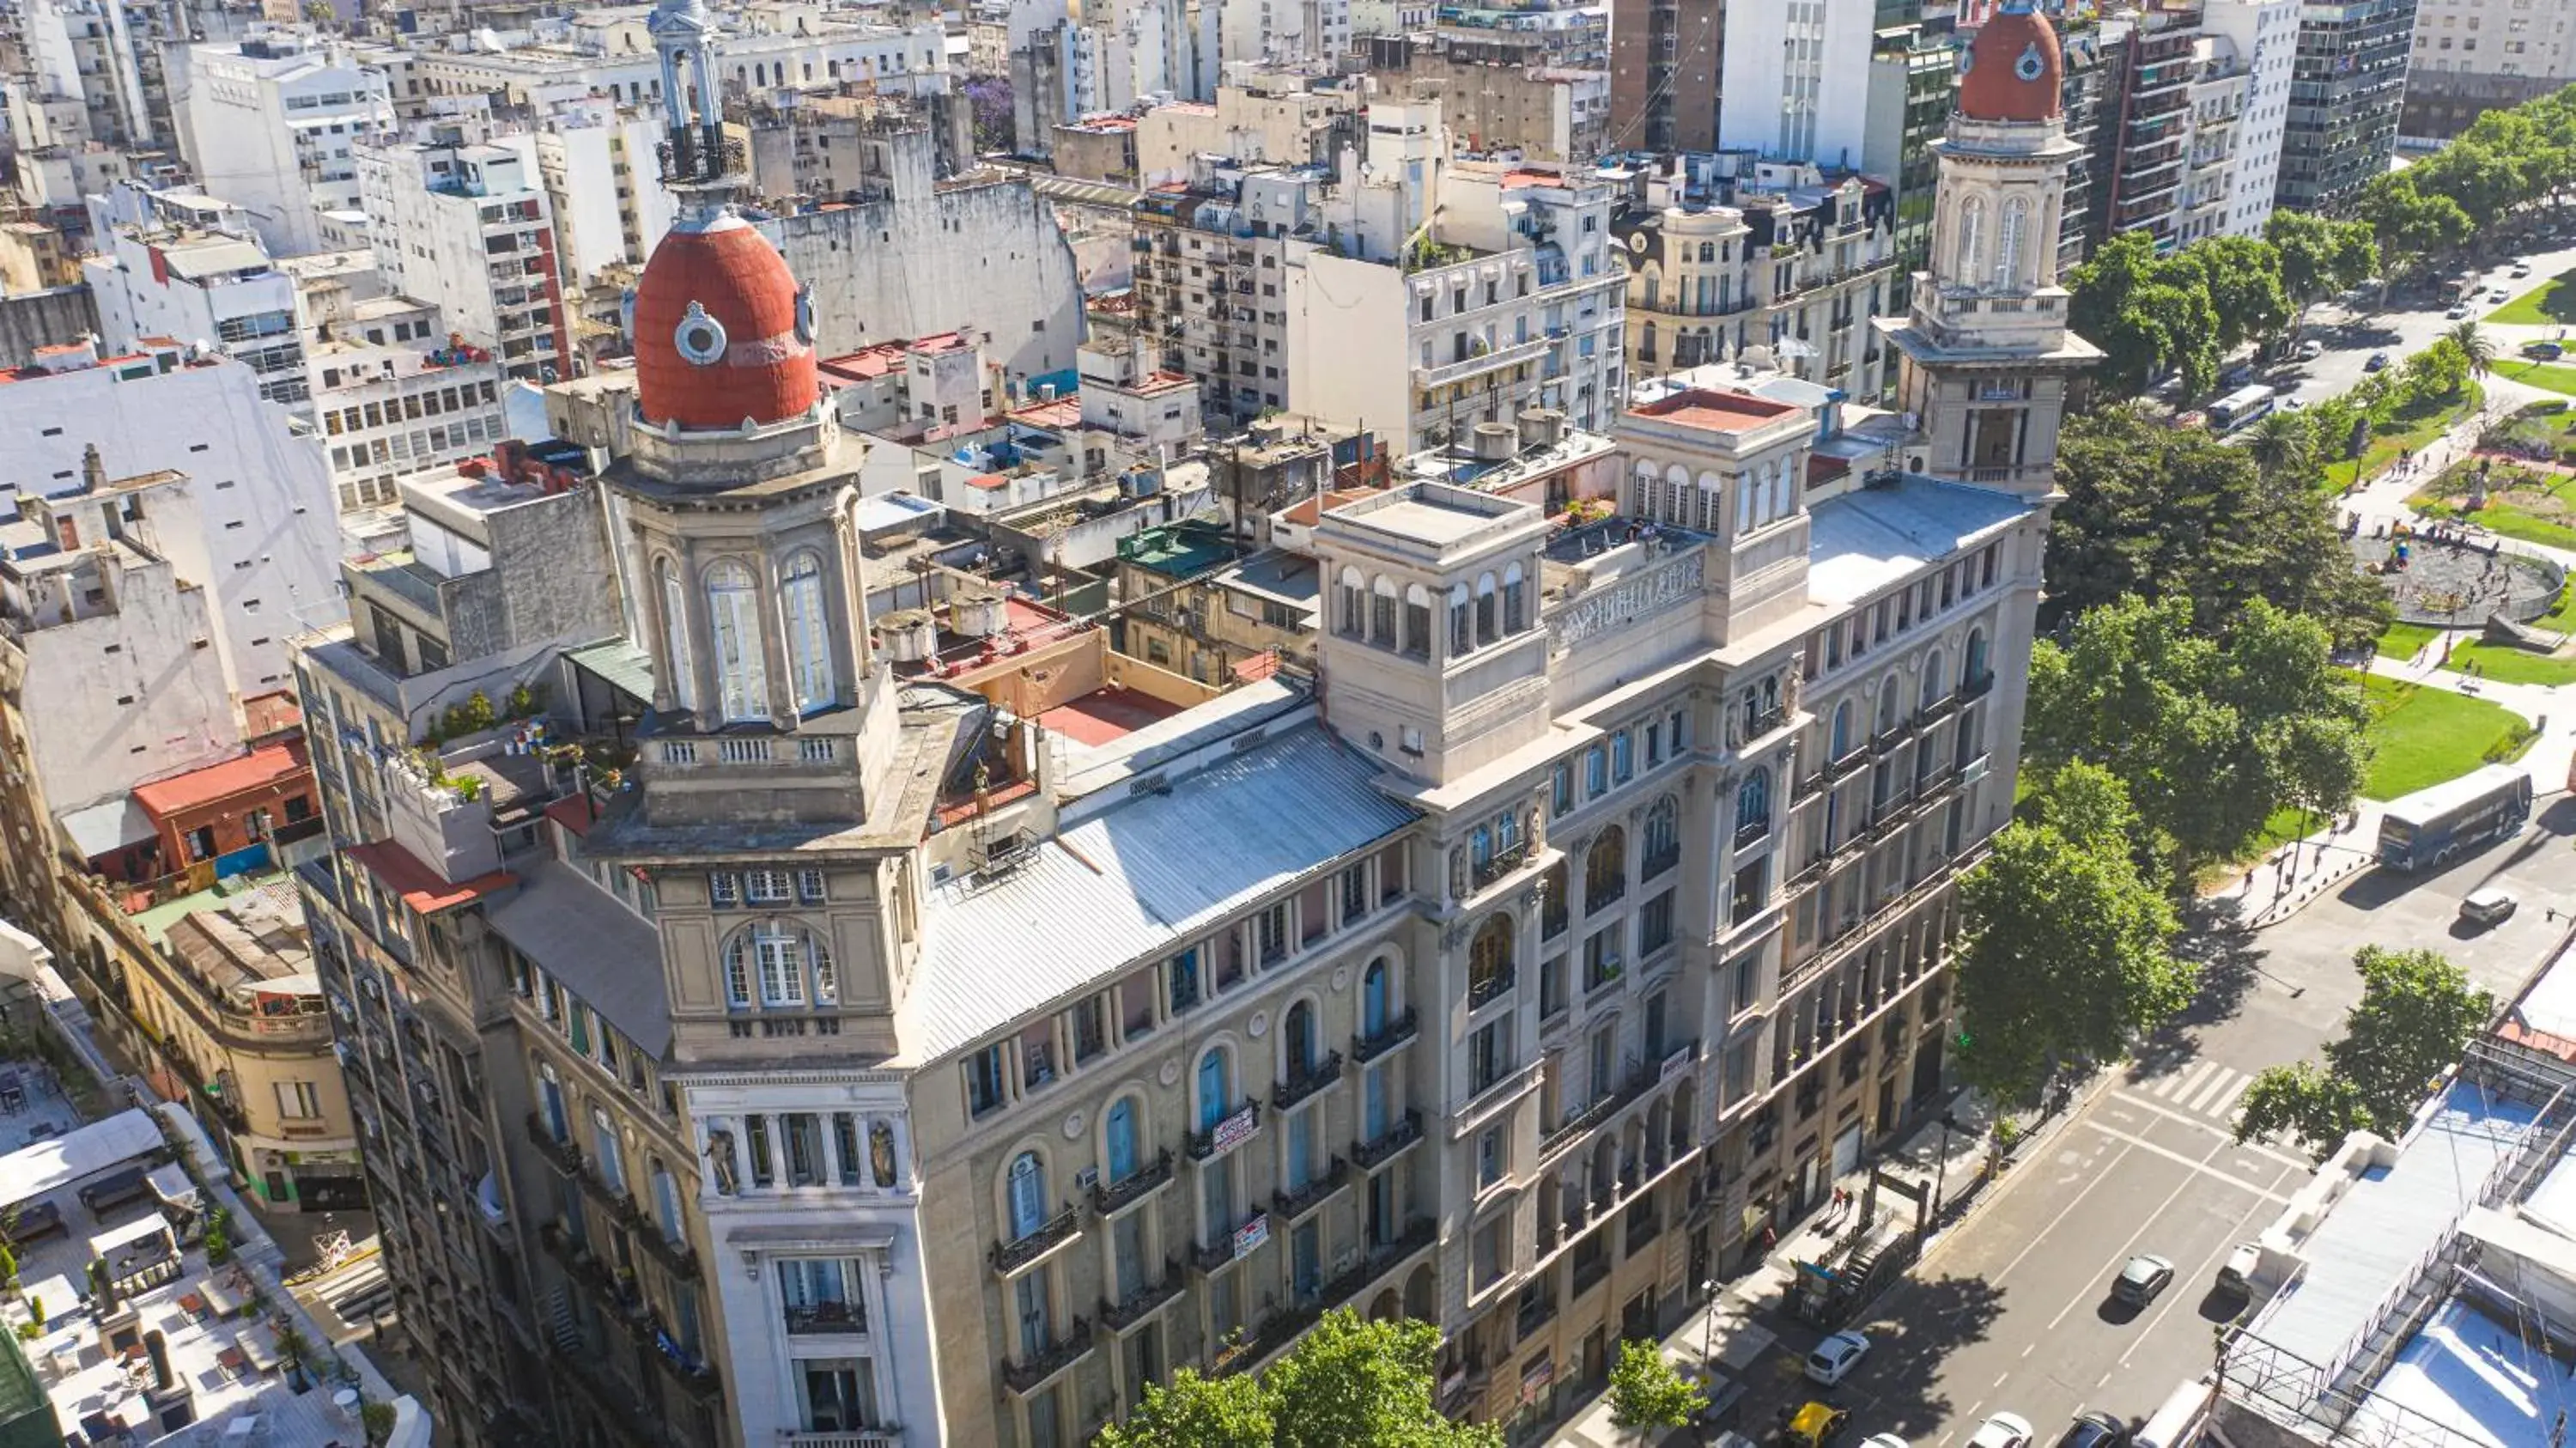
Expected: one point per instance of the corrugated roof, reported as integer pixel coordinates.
(621, 664)
(419, 886)
(601, 951)
(217, 258)
(1861, 542)
(262, 768)
(1138, 881)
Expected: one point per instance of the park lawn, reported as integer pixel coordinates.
(2511, 665)
(2562, 615)
(2550, 302)
(2423, 736)
(2539, 374)
(2403, 639)
(2413, 433)
(2500, 515)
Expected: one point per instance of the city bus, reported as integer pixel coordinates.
(2431, 825)
(2240, 407)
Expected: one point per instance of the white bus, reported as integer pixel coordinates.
(2240, 407)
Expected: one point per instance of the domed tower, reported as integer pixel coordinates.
(1987, 355)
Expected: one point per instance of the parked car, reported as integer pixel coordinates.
(1815, 1423)
(2141, 1278)
(2458, 312)
(1835, 1357)
(2544, 351)
(2378, 361)
(2002, 1430)
(2236, 1274)
(2488, 905)
(2311, 350)
(1882, 1440)
(2094, 1430)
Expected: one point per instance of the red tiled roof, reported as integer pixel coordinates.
(757, 366)
(1713, 411)
(865, 365)
(259, 769)
(1309, 512)
(397, 870)
(574, 812)
(1054, 412)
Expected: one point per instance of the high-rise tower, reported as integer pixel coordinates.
(1987, 356)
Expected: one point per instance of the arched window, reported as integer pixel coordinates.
(772, 964)
(1707, 251)
(675, 636)
(1972, 667)
(1118, 1131)
(1487, 627)
(809, 637)
(1382, 597)
(1838, 742)
(1744, 495)
(1353, 613)
(1663, 836)
(1417, 621)
(1462, 633)
(1753, 804)
(1935, 682)
(1373, 999)
(1515, 601)
(1887, 706)
(733, 618)
(1216, 1088)
(1784, 488)
(1489, 962)
(2008, 241)
(1297, 1038)
(1025, 1184)
(1972, 225)
(1646, 343)
(1605, 869)
(1654, 288)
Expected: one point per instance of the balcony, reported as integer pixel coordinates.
(855, 1438)
(1403, 1028)
(826, 1319)
(1024, 1377)
(1752, 831)
(1226, 1135)
(1111, 1198)
(1301, 1085)
(1403, 1132)
(1295, 1204)
(1142, 1303)
(1976, 686)
(1283, 1328)
(1046, 1237)
(1231, 1243)
(677, 1258)
(1509, 354)
(1493, 987)
(562, 1155)
(1500, 863)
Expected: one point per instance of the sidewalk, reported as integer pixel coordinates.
(1733, 1332)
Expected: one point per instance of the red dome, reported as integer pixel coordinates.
(716, 334)
(2011, 71)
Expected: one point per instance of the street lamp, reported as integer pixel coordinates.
(1708, 1327)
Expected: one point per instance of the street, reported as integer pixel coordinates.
(2351, 336)
(2012, 1311)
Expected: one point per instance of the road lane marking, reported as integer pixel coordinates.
(2179, 1159)
(2122, 1255)
(2026, 1347)
(2042, 1235)
(2206, 1262)
(2167, 1088)
(2207, 1096)
(2224, 1105)
(2256, 1146)
(1999, 1382)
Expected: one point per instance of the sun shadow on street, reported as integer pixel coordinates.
(1933, 1319)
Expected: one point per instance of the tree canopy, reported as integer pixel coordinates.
(2209, 732)
(2173, 512)
(2068, 949)
(2415, 1018)
(1348, 1383)
(2151, 314)
(2320, 256)
(1645, 1392)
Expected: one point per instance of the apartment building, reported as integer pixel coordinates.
(1260, 113)
(828, 1172)
(469, 229)
(1566, 35)
(2260, 38)
(1499, 92)
(106, 57)
(2347, 86)
(1785, 261)
(2470, 58)
(165, 283)
(603, 178)
(271, 123)
(1665, 60)
(419, 402)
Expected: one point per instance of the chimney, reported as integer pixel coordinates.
(93, 470)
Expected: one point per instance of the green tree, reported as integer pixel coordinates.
(1645, 1392)
(2415, 1018)
(2158, 511)
(2320, 256)
(2146, 314)
(2241, 277)
(2412, 226)
(2474, 345)
(2068, 951)
(2283, 447)
(2210, 732)
(2440, 370)
(1348, 1383)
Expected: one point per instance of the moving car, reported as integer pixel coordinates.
(2498, 294)
(2311, 350)
(2236, 1274)
(1882, 1440)
(1835, 1357)
(2378, 360)
(2488, 905)
(2458, 312)
(2520, 270)
(1814, 1423)
(2094, 1430)
(2544, 351)
(2002, 1430)
(2141, 1278)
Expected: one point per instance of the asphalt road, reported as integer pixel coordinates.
(2350, 336)
(2012, 1310)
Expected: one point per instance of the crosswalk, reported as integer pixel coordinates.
(2203, 1089)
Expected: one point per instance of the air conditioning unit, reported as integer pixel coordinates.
(1087, 1178)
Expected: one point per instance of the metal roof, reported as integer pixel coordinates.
(1864, 541)
(1139, 881)
(596, 948)
(619, 663)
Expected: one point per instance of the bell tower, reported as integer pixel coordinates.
(1987, 356)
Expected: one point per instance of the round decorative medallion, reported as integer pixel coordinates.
(2031, 63)
(700, 338)
(1341, 979)
(1073, 1127)
(1258, 1026)
(1170, 1073)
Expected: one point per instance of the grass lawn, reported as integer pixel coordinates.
(2512, 666)
(2403, 639)
(2527, 504)
(2555, 377)
(2409, 431)
(2563, 616)
(2424, 736)
(2552, 301)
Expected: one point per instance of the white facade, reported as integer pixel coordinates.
(1283, 31)
(168, 285)
(612, 56)
(402, 408)
(1794, 79)
(272, 125)
(468, 229)
(265, 540)
(86, 51)
(603, 173)
(2264, 36)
